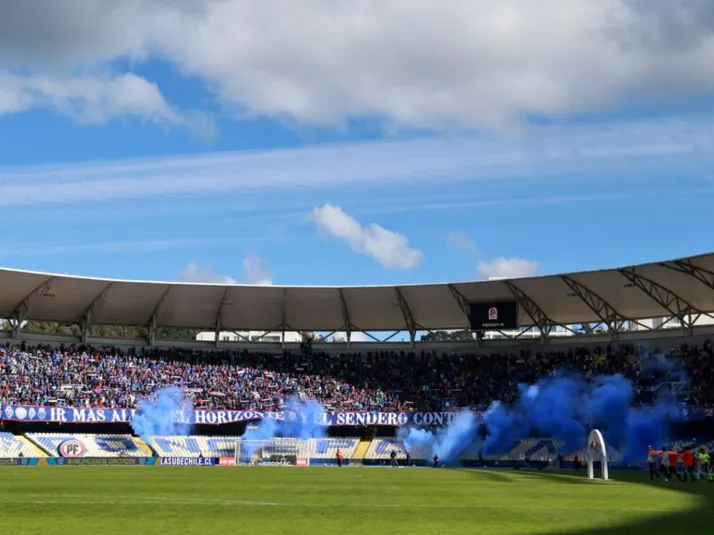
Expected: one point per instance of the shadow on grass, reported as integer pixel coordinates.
(670, 522)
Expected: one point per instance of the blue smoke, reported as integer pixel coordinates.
(566, 408)
(157, 417)
(449, 443)
(302, 420)
(659, 367)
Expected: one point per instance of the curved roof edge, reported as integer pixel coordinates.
(683, 288)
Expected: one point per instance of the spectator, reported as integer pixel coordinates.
(375, 381)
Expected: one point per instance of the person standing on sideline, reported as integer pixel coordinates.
(652, 462)
(688, 457)
(673, 461)
(664, 467)
(704, 468)
(340, 458)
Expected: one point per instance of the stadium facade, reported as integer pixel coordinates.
(632, 302)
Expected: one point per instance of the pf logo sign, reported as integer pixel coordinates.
(72, 448)
(493, 314)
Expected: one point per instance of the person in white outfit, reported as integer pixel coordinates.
(665, 468)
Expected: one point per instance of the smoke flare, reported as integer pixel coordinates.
(157, 417)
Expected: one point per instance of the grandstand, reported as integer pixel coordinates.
(100, 383)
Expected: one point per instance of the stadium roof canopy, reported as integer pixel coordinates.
(681, 288)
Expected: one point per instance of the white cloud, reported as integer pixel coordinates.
(459, 240)
(575, 152)
(90, 99)
(478, 63)
(255, 271)
(390, 249)
(508, 268)
(194, 272)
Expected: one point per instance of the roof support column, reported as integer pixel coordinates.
(464, 306)
(612, 318)
(346, 318)
(86, 321)
(154, 321)
(284, 316)
(219, 318)
(408, 317)
(671, 302)
(25, 307)
(462, 302)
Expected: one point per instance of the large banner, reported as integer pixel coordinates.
(26, 413)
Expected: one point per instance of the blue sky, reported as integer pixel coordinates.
(217, 141)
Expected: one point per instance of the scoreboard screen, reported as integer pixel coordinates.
(493, 316)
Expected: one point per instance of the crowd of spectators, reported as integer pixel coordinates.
(375, 381)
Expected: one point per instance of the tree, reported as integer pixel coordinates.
(309, 336)
(589, 328)
(173, 333)
(448, 336)
(130, 332)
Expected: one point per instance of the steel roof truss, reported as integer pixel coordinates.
(345, 316)
(664, 297)
(686, 266)
(614, 321)
(97, 302)
(462, 302)
(24, 308)
(541, 320)
(219, 316)
(407, 313)
(154, 321)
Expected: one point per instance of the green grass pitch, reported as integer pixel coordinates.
(266, 501)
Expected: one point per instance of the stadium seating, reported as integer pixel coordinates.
(534, 449)
(381, 449)
(326, 448)
(12, 447)
(522, 448)
(320, 451)
(99, 445)
(179, 446)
